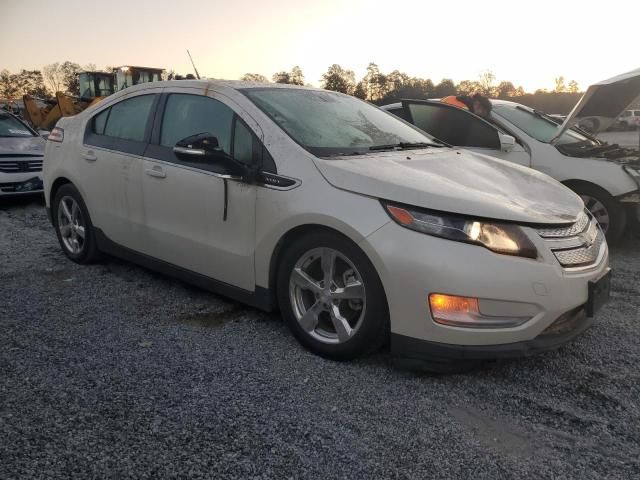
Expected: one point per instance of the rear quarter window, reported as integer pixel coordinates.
(128, 119)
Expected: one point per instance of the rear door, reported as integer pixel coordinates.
(195, 217)
(111, 164)
(462, 129)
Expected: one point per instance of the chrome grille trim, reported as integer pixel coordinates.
(572, 230)
(17, 166)
(577, 246)
(581, 257)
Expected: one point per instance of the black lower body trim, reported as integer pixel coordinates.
(417, 349)
(260, 298)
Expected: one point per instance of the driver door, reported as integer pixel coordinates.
(195, 217)
(464, 129)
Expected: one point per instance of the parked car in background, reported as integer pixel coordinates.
(629, 119)
(607, 177)
(21, 153)
(358, 226)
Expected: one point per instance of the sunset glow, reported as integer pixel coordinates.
(528, 43)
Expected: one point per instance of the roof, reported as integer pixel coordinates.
(234, 84)
(139, 68)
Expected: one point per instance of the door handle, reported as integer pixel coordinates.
(89, 156)
(157, 172)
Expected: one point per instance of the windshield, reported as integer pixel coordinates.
(537, 125)
(11, 127)
(329, 123)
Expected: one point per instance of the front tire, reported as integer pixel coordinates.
(331, 297)
(74, 229)
(609, 214)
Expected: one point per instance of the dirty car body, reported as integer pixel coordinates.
(359, 227)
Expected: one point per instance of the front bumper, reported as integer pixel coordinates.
(562, 331)
(412, 265)
(12, 184)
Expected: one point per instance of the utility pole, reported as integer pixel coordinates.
(194, 65)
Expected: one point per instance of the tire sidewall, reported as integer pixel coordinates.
(89, 250)
(617, 214)
(372, 333)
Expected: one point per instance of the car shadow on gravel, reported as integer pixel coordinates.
(7, 203)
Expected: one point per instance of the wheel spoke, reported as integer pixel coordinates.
(65, 230)
(351, 291)
(301, 279)
(328, 261)
(80, 231)
(343, 329)
(75, 210)
(309, 321)
(66, 211)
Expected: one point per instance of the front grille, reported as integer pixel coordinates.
(577, 245)
(570, 231)
(19, 166)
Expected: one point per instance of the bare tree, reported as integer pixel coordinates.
(573, 87)
(487, 80)
(559, 84)
(53, 77)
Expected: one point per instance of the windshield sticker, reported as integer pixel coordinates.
(16, 131)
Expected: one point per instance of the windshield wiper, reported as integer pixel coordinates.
(404, 145)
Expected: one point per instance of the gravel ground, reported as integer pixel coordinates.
(111, 371)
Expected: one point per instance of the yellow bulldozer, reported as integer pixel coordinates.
(94, 86)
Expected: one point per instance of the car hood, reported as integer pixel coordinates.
(22, 146)
(603, 102)
(456, 181)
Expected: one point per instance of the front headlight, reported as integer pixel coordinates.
(501, 238)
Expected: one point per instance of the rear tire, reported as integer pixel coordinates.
(609, 213)
(74, 229)
(342, 318)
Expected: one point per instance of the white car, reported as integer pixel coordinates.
(21, 151)
(629, 119)
(358, 226)
(607, 177)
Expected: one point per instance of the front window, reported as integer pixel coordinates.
(186, 115)
(12, 127)
(329, 123)
(538, 126)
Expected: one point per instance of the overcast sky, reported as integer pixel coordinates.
(527, 42)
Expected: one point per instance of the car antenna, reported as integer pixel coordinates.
(194, 65)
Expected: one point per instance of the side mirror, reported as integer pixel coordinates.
(507, 142)
(44, 133)
(198, 147)
(204, 147)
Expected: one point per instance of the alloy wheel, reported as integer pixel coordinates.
(327, 294)
(71, 225)
(598, 210)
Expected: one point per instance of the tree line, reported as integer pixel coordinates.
(381, 88)
(375, 86)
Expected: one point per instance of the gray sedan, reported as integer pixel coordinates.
(21, 151)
